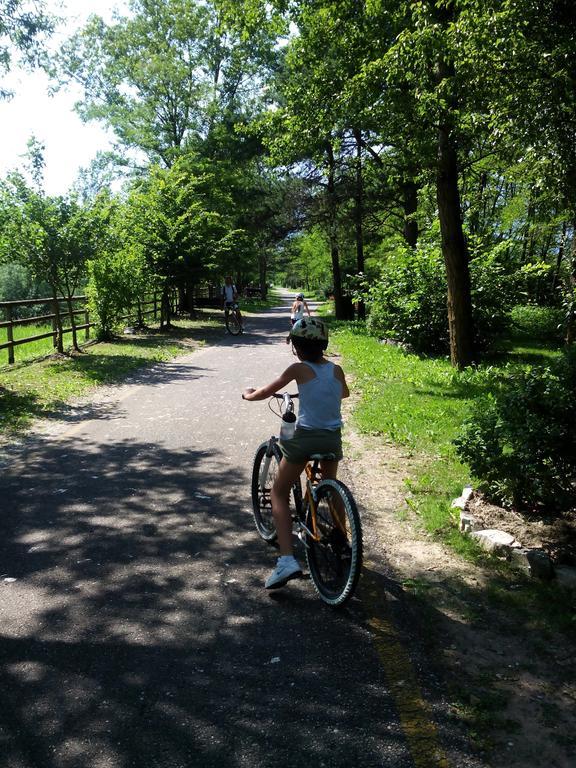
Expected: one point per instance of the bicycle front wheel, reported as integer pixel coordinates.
(264, 473)
(334, 550)
(233, 323)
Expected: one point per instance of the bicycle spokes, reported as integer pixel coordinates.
(335, 549)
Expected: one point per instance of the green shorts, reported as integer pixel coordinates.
(308, 441)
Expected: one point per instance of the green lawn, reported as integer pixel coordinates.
(421, 403)
(32, 349)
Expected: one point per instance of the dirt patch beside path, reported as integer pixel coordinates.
(511, 681)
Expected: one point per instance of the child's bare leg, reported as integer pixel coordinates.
(329, 469)
(287, 475)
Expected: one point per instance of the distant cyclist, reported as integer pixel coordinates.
(230, 298)
(298, 308)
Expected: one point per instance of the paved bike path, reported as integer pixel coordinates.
(134, 629)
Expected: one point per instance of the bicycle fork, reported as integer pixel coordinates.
(266, 466)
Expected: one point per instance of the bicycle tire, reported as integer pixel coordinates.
(261, 502)
(335, 559)
(233, 323)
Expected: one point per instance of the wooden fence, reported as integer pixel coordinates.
(150, 306)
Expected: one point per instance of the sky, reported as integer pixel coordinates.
(69, 143)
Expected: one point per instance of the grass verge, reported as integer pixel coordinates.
(420, 403)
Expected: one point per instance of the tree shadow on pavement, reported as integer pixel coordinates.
(135, 630)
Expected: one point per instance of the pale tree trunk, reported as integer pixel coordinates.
(570, 337)
(559, 257)
(333, 233)
(358, 215)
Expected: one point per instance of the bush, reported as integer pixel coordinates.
(521, 441)
(537, 322)
(408, 302)
(112, 289)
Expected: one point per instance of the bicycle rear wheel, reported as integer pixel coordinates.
(264, 473)
(233, 323)
(335, 556)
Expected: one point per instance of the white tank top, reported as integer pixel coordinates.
(320, 399)
(299, 313)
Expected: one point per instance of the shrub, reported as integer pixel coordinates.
(113, 287)
(408, 301)
(537, 322)
(521, 440)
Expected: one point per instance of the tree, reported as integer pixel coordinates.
(180, 219)
(24, 27)
(163, 78)
(52, 237)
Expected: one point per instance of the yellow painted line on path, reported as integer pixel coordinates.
(415, 716)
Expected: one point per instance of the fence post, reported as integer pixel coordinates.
(54, 330)
(87, 321)
(59, 342)
(10, 334)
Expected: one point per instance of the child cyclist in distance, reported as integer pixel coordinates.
(321, 387)
(298, 307)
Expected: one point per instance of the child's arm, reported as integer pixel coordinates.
(307, 309)
(339, 373)
(275, 386)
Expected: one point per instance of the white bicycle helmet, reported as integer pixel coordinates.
(309, 328)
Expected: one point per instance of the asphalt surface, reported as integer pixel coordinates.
(134, 627)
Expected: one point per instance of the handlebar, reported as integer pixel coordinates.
(288, 404)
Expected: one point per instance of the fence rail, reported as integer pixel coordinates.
(149, 306)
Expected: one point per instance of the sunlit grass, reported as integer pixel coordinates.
(31, 349)
(421, 404)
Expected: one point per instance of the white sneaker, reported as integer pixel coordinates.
(287, 568)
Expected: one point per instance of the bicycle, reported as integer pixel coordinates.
(325, 518)
(232, 319)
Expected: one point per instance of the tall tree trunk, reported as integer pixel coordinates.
(333, 233)
(359, 215)
(570, 337)
(455, 252)
(528, 234)
(559, 257)
(263, 271)
(454, 248)
(410, 204)
(165, 309)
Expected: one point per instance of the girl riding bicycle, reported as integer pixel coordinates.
(321, 387)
